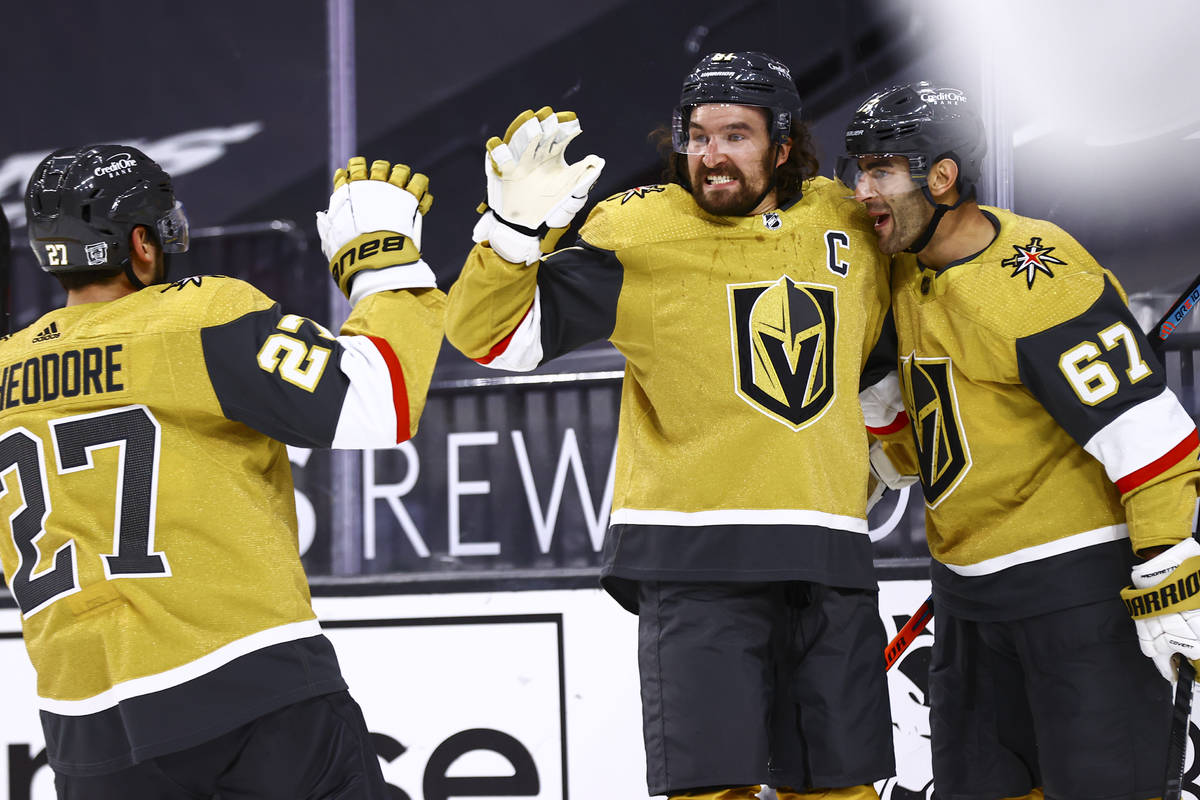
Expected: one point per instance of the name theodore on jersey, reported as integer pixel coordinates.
(39, 379)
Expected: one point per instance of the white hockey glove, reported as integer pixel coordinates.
(886, 475)
(1165, 605)
(371, 232)
(532, 192)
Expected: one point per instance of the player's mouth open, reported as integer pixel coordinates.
(881, 220)
(718, 180)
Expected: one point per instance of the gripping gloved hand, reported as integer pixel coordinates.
(533, 193)
(1165, 605)
(885, 474)
(371, 232)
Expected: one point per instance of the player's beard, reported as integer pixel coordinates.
(909, 214)
(732, 204)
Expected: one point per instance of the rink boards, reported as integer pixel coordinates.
(503, 694)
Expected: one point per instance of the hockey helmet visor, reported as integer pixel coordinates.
(884, 174)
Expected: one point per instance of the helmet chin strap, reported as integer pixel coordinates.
(939, 211)
(132, 276)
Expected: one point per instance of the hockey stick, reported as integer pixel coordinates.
(1181, 713)
(1175, 315)
(906, 635)
(1181, 710)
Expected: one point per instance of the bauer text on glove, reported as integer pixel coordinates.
(371, 232)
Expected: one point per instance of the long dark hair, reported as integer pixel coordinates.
(801, 164)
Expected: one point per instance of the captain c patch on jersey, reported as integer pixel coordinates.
(783, 336)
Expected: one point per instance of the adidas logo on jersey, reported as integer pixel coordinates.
(51, 332)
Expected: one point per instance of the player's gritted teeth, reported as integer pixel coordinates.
(720, 179)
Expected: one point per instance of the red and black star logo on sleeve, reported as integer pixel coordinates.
(1031, 259)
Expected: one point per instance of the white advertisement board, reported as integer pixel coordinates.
(505, 694)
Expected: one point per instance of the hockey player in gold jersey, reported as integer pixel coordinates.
(1052, 455)
(152, 544)
(746, 296)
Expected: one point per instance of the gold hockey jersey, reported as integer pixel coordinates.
(152, 544)
(742, 451)
(1046, 436)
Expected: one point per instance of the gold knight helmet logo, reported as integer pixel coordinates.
(784, 334)
(943, 455)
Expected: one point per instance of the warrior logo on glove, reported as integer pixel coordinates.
(1164, 602)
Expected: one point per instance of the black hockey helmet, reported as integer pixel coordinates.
(923, 123)
(84, 202)
(744, 78)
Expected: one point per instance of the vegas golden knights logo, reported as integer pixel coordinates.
(942, 450)
(783, 345)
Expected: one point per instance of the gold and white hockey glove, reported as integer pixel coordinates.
(885, 474)
(371, 232)
(1165, 605)
(532, 192)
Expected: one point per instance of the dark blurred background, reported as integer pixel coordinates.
(1093, 118)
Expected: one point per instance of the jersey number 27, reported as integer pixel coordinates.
(135, 431)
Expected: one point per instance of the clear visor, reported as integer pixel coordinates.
(882, 174)
(697, 140)
(172, 228)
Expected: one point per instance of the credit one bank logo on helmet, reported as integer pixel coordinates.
(943, 97)
(119, 165)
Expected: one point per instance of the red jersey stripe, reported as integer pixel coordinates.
(399, 390)
(502, 345)
(1159, 465)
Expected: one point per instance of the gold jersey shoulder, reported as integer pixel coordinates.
(642, 215)
(197, 301)
(189, 303)
(826, 201)
(1033, 276)
(667, 212)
